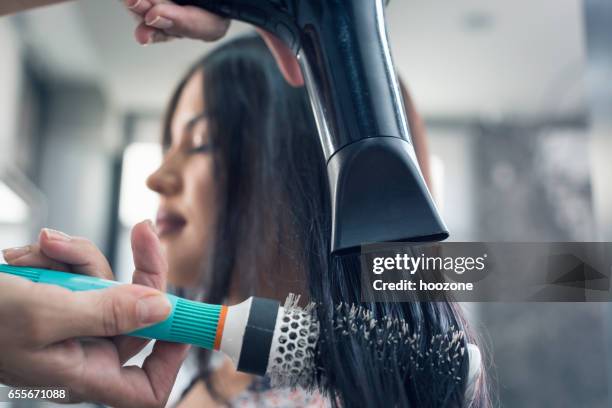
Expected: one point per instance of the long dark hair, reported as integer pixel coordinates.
(273, 231)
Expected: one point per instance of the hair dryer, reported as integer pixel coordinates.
(377, 191)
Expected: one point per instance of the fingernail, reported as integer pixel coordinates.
(162, 23)
(157, 37)
(10, 254)
(54, 235)
(153, 308)
(133, 4)
(151, 226)
(151, 39)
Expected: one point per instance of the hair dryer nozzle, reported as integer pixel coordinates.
(378, 195)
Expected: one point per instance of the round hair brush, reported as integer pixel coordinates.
(264, 338)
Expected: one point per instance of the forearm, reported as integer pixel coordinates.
(13, 6)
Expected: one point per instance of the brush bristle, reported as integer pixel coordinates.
(391, 341)
(394, 341)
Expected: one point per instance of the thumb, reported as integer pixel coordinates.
(286, 60)
(151, 270)
(149, 261)
(102, 313)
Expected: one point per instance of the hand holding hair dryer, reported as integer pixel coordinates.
(377, 191)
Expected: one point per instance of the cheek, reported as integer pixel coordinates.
(200, 192)
(187, 254)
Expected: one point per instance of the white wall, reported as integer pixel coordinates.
(76, 164)
(10, 79)
(454, 148)
(601, 170)
(599, 89)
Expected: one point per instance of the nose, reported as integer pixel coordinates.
(166, 180)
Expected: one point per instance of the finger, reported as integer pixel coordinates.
(153, 381)
(136, 17)
(81, 254)
(151, 270)
(128, 347)
(285, 58)
(186, 21)
(11, 288)
(162, 367)
(55, 314)
(146, 35)
(149, 261)
(138, 6)
(32, 256)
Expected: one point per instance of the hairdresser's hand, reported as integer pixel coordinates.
(47, 332)
(160, 20)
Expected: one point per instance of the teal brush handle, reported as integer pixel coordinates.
(249, 333)
(189, 322)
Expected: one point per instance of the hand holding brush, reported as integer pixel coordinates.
(264, 338)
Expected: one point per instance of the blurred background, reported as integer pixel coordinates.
(517, 99)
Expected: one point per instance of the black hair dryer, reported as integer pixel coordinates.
(378, 193)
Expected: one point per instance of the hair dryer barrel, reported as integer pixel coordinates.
(377, 190)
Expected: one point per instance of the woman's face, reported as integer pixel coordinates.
(184, 181)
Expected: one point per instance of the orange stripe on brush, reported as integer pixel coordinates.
(220, 325)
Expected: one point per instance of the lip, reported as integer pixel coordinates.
(169, 222)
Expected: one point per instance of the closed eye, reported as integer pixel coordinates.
(197, 131)
(205, 148)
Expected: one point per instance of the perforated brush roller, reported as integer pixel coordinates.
(264, 338)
